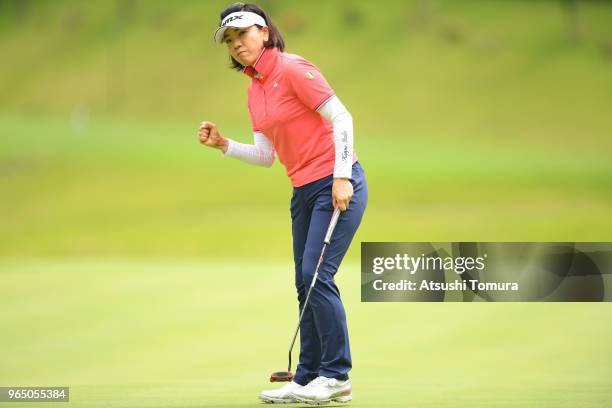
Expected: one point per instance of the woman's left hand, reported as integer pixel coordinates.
(342, 192)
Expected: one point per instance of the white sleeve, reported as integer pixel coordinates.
(334, 111)
(260, 154)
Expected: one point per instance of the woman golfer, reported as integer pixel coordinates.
(296, 114)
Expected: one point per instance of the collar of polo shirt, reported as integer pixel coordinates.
(264, 64)
(239, 19)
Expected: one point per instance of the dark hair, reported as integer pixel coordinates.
(275, 39)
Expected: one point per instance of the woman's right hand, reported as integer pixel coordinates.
(210, 136)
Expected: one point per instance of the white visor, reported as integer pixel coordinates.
(240, 19)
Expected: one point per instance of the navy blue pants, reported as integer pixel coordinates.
(324, 337)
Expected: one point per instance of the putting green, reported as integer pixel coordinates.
(192, 333)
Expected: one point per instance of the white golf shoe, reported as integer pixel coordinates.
(282, 395)
(323, 390)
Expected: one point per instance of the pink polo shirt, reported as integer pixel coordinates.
(284, 94)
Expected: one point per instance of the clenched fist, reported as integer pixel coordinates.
(210, 136)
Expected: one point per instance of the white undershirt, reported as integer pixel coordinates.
(262, 152)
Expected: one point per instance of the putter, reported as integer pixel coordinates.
(285, 376)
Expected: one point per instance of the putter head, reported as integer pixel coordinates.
(281, 376)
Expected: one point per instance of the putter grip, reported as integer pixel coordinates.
(332, 226)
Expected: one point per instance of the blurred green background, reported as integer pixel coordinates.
(134, 259)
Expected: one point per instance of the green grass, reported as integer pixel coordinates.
(144, 270)
(183, 333)
(131, 189)
(509, 73)
(473, 121)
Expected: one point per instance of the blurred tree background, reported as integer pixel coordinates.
(474, 120)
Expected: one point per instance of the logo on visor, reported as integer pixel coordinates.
(223, 24)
